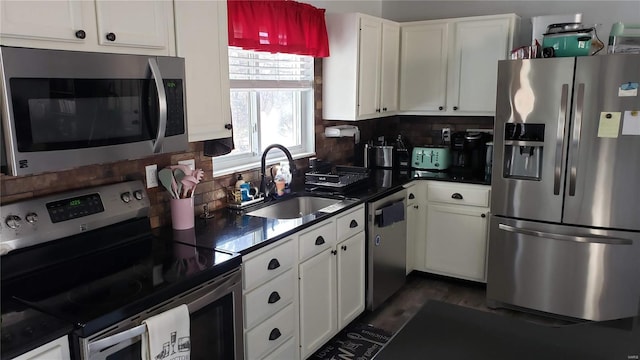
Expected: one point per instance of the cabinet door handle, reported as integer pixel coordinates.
(334, 252)
(384, 109)
(111, 36)
(456, 196)
(273, 264)
(377, 110)
(455, 108)
(440, 108)
(411, 196)
(80, 34)
(415, 206)
(319, 240)
(353, 224)
(483, 215)
(344, 247)
(228, 126)
(275, 333)
(274, 297)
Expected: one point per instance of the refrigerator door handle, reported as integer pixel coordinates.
(562, 118)
(575, 141)
(595, 239)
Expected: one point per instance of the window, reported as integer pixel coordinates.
(271, 102)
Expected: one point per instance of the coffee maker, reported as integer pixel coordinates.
(468, 153)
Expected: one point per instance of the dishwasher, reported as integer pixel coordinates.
(386, 247)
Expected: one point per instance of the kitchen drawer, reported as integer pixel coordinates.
(269, 264)
(459, 194)
(270, 334)
(351, 222)
(268, 298)
(317, 239)
(287, 351)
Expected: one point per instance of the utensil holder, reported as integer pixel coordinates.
(182, 213)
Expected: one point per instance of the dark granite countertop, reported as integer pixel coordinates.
(234, 231)
(445, 331)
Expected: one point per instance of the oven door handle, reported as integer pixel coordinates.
(99, 345)
(162, 105)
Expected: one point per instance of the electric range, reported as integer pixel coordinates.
(88, 259)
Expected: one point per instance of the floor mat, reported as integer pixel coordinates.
(357, 341)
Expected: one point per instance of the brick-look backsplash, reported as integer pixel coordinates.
(419, 130)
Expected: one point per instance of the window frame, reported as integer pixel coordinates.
(232, 163)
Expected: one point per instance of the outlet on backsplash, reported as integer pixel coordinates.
(446, 135)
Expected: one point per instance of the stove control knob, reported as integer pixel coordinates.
(13, 221)
(32, 218)
(138, 194)
(126, 197)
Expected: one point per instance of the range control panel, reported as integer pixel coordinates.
(52, 217)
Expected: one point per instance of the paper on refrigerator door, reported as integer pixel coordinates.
(609, 125)
(631, 123)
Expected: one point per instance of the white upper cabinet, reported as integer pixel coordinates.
(45, 20)
(133, 23)
(390, 67)
(360, 76)
(423, 64)
(201, 39)
(449, 67)
(136, 27)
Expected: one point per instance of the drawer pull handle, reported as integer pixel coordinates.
(319, 240)
(456, 196)
(275, 333)
(273, 264)
(353, 224)
(334, 252)
(274, 297)
(344, 247)
(411, 196)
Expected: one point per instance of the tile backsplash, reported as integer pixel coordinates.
(419, 130)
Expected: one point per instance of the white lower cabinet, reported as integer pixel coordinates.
(350, 275)
(270, 298)
(54, 350)
(332, 281)
(318, 301)
(455, 243)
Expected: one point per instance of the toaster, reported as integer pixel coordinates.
(431, 158)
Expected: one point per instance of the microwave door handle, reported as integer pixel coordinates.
(562, 118)
(162, 105)
(97, 346)
(575, 141)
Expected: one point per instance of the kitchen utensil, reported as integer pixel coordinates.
(178, 175)
(166, 179)
(431, 158)
(185, 168)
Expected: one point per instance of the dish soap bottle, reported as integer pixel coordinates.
(237, 193)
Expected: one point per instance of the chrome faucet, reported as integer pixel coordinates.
(263, 165)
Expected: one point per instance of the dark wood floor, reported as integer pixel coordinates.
(420, 287)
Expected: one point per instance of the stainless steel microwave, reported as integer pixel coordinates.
(64, 109)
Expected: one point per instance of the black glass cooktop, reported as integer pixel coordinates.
(107, 286)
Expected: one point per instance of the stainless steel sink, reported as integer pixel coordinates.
(300, 206)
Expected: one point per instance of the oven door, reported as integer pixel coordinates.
(71, 108)
(215, 310)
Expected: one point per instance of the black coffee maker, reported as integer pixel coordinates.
(468, 153)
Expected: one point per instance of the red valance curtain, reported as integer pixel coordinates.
(283, 26)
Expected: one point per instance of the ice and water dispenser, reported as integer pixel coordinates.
(523, 149)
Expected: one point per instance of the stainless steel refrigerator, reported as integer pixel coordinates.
(565, 226)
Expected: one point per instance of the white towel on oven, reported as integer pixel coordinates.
(167, 335)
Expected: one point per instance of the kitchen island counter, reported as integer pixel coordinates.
(445, 331)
